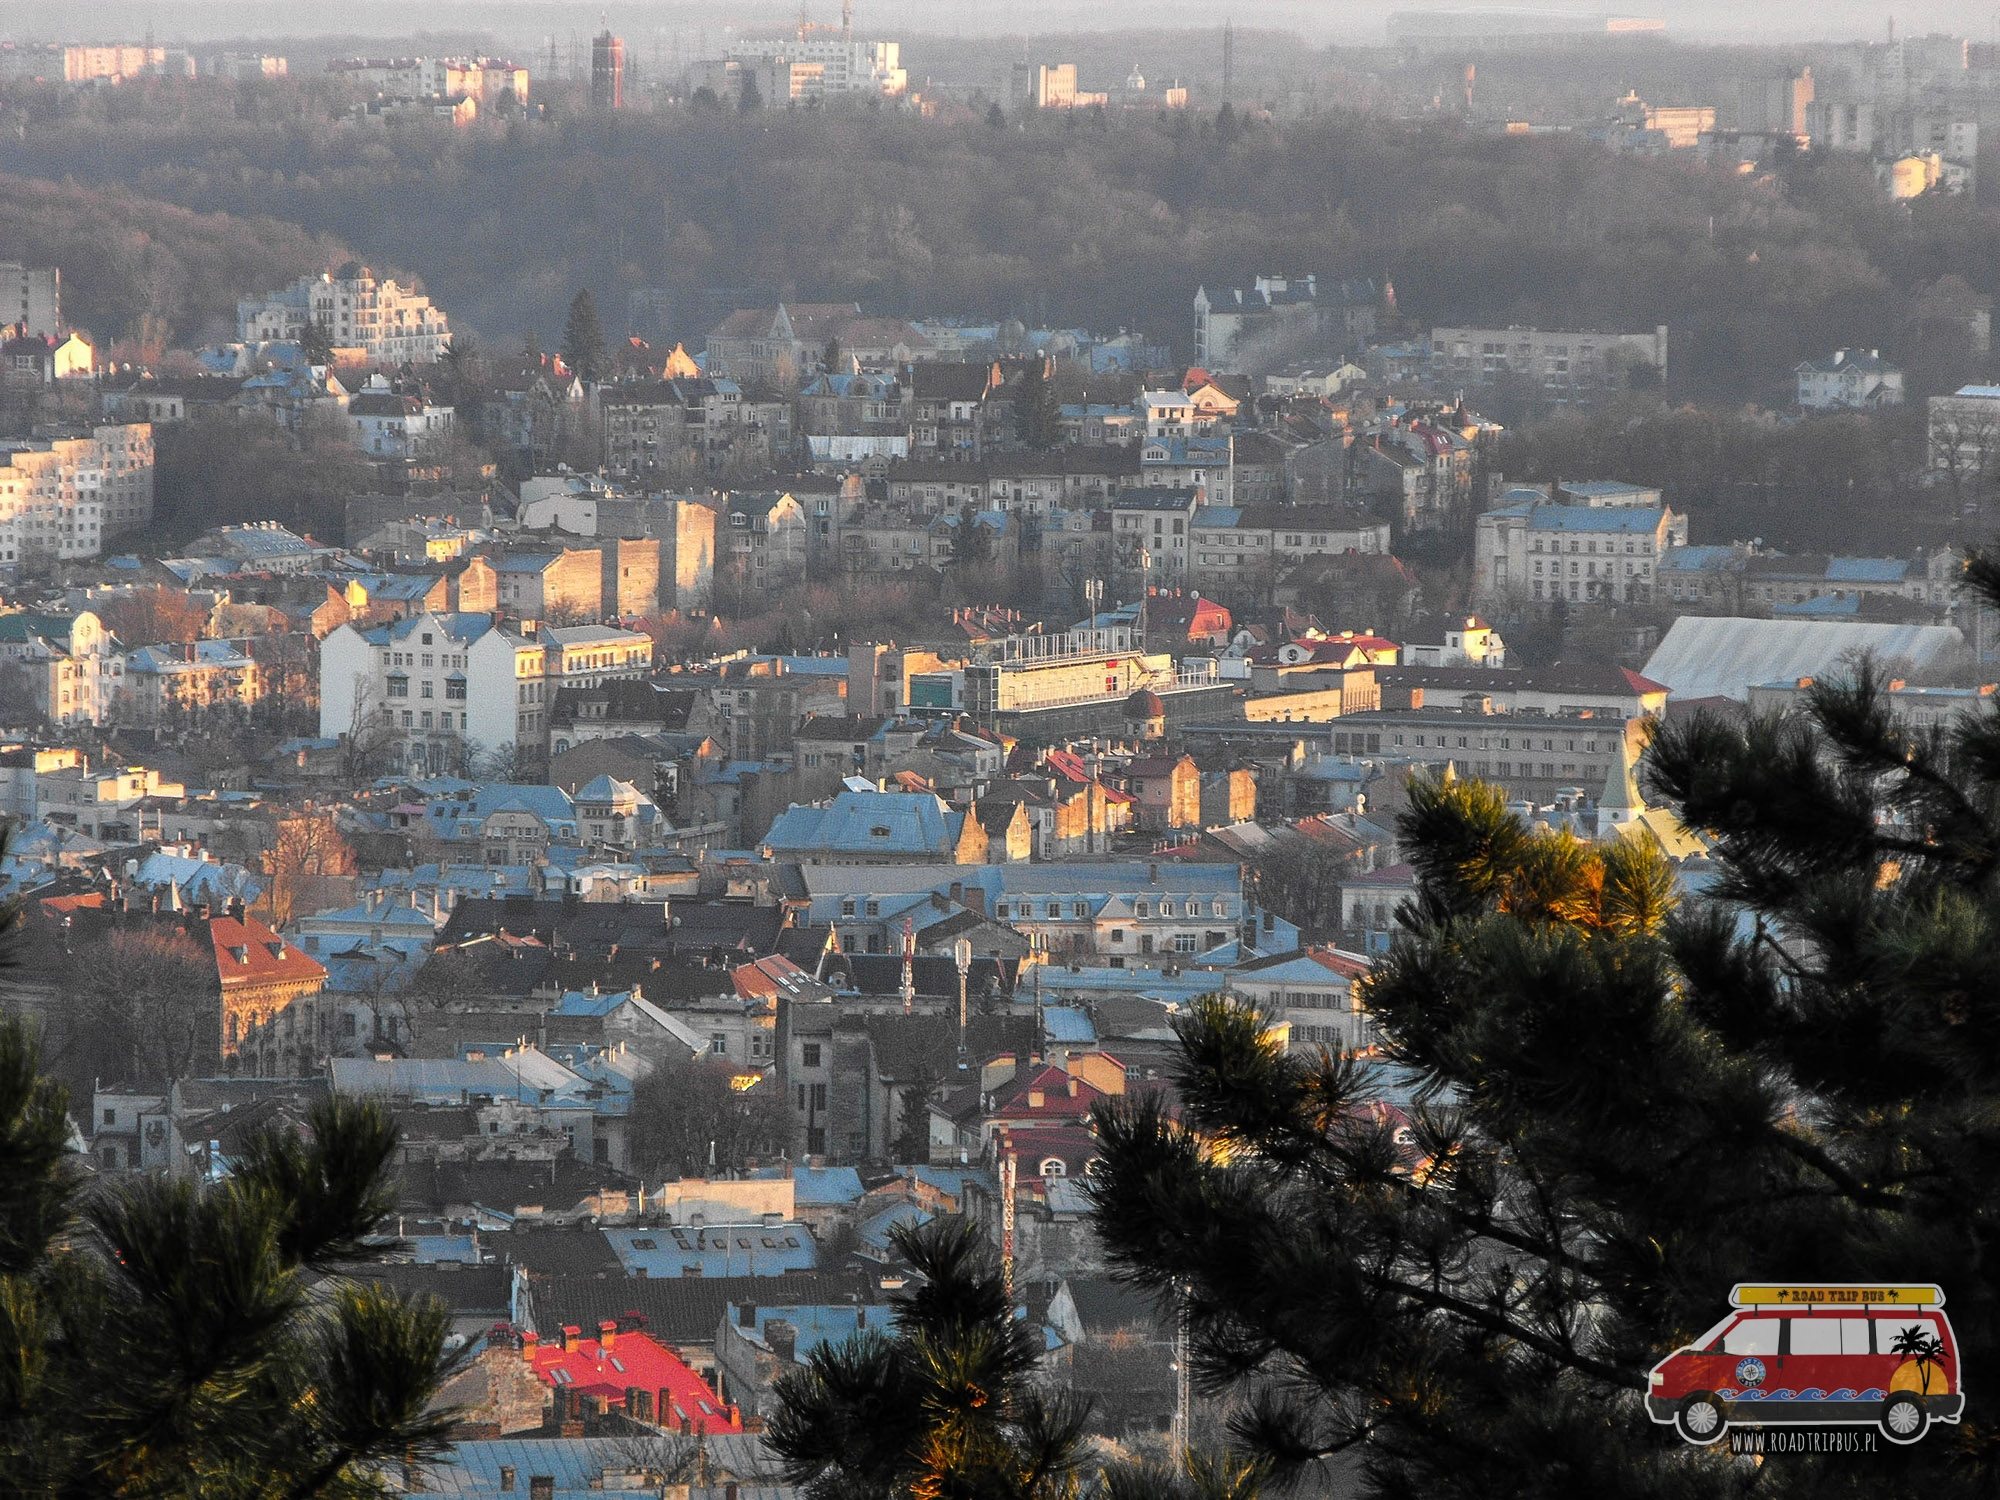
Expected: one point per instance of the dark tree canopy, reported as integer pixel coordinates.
(583, 337)
(169, 1339)
(1625, 1106)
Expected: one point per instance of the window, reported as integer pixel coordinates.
(718, 1044)
(1184, 942)
(809, 1055)
(1820, 1335)
(111, 1117)
(1752, 1336)
(1054, 1167)
(399, 685)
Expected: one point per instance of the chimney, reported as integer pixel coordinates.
(542, 1487)
(607, 1335)
(530, 1345)
(783, 1339)
(746, 1315)
(570, 1335)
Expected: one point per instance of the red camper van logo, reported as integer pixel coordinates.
(1815, 1356)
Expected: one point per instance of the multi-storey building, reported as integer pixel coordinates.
(30, 296)
(72, 664)
(163, 681)
(1563, 367)
(385, 322)
(1602, 549)
(1533, 755)
(429, 692)
(63, 491)
(1233, 548)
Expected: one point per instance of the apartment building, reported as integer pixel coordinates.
(1563, 366)
(65, 490)
(1531, 547)
(429, 692)
(380, 320)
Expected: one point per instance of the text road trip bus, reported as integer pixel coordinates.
(1877, 1356)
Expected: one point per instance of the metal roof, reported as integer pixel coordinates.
(1721, 656)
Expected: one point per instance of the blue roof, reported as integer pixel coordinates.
(1625, 520)
(1825, 607)
(1696, 559)
(822, 1186)
(1219, 517)
(714, 1249)
(814, 1324)
(1063, 1023)
(874, 1233)
(900, 822)
(1867, 570)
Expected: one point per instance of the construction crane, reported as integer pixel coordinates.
(909, 965)
(1008, 1177)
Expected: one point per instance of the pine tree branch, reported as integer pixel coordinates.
(1561, 1351)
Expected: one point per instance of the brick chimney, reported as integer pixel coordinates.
(607, 1335)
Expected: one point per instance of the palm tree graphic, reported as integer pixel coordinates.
(1926, 1348)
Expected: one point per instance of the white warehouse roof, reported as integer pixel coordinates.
(1722, 656)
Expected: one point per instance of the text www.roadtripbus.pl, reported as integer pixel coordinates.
(1766, 1440)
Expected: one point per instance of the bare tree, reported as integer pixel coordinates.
(304, 847)
(148, 1000)
(689, 1118)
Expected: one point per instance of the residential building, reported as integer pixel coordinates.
(1528, 547)
(65, 491)
(391, 423)
(168, 682)
(777, 346)
(1964, 432)
(1241, 550)
(564, 585)
(31, 298)
(762, 540)
(380, 321)
(1561, 367)
(1278, 317)
(427, 692)
(72, 664)
(951, 408)
(1533, 755)
(1849, 379)
(870, 827)
(99, 802)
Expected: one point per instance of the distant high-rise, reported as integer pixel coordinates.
(607, 72)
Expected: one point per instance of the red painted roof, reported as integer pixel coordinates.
(1064, 1097)
(634, 1362)
(248, 952)
(56, 906)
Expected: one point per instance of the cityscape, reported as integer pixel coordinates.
(749, 757)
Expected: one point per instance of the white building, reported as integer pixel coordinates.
(1529, 547)
(62, 494)
(433, 691)
(440, 691)
(386, 323)
(391, 424)
(1850, 378)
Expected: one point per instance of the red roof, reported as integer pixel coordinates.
(1062, 1097)
(626, 1362)
(57, 906)
(248, 952)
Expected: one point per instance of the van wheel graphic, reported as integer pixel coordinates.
(1904, 1419)
(1700, 1418)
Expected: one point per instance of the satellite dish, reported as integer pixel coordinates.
(962, 952)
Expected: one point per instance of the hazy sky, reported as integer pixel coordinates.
(1322, 21)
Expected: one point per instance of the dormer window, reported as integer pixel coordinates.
(240, 954)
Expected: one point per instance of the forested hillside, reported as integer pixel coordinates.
(136, 268)
(1080, 220)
